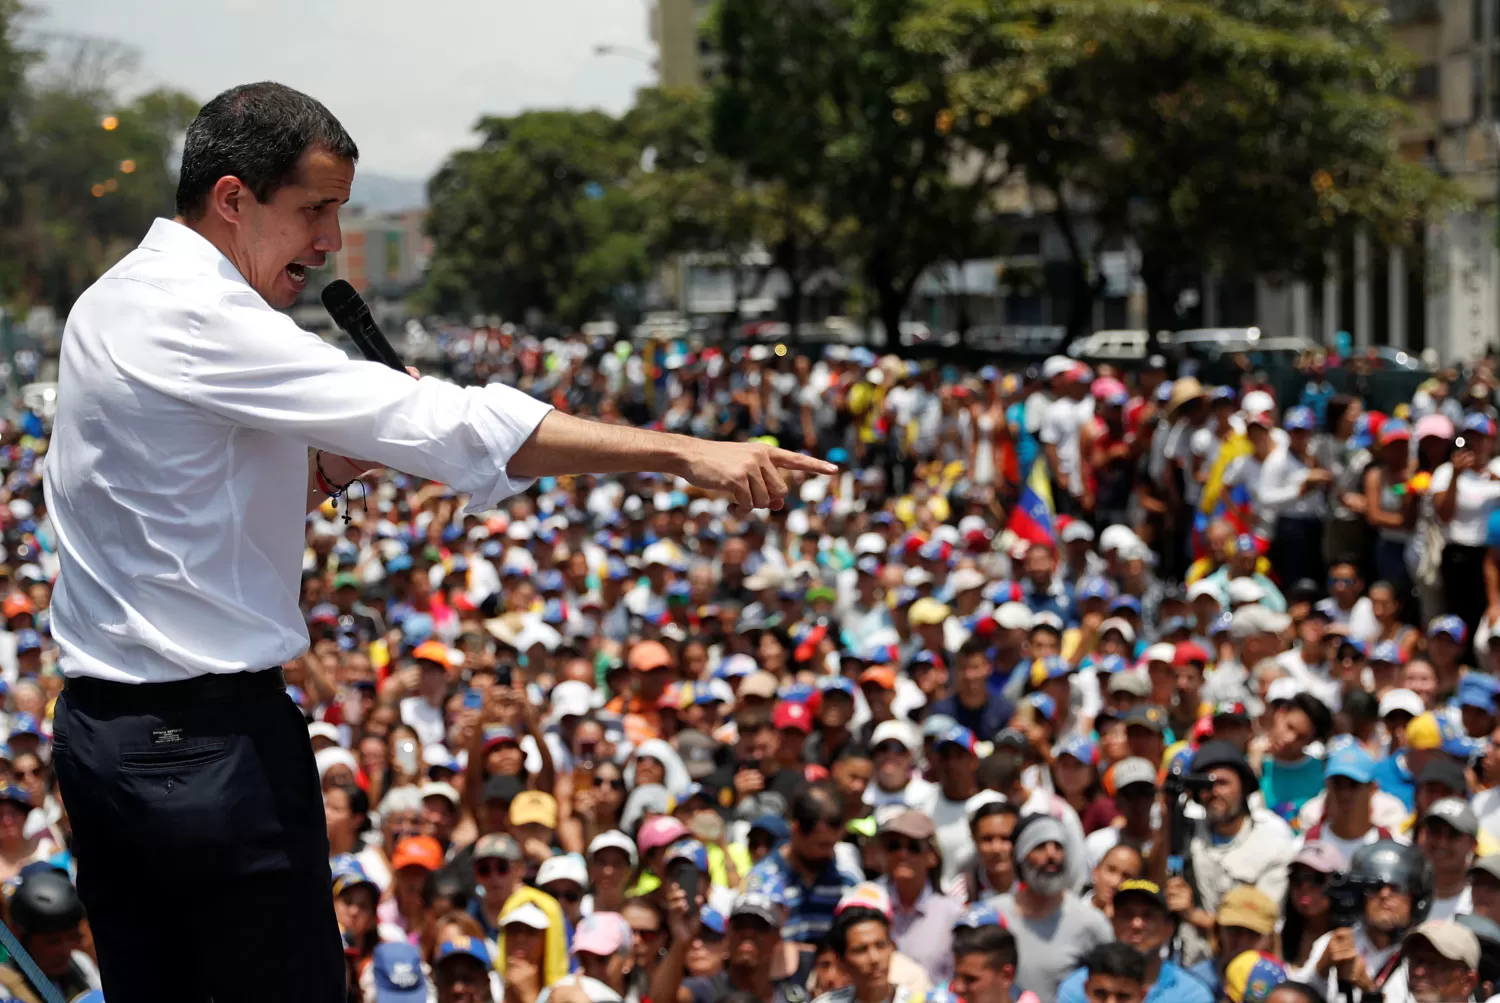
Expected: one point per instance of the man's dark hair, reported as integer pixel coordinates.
(999, 773)
(993, 809)
(257, 133)
(852, 750)
(1308, 993)
(838, 936)
(815, 803)
(1117, 960)
(997, 944)
(975, 645)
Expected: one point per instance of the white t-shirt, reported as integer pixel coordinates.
(1373, 958)
(916, 794)
(1060, 428)
(1478, 495)
(425, 719)
(1454, 905)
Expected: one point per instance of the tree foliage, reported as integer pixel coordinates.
(1243, 135)
(74, 195)
(825, 99)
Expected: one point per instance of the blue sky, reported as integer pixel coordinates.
(408, 78)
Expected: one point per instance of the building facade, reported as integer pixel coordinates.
(385, 255)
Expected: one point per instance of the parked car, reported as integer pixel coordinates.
(1112, 346)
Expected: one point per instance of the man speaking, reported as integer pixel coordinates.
(196, 427)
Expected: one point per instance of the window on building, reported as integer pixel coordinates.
(1424, 82)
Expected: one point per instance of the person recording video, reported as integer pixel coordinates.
(1386, 892)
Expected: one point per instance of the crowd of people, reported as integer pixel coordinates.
(1073, 686)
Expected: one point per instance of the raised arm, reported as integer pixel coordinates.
(751, 473)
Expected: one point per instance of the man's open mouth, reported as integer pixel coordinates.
(297, 271)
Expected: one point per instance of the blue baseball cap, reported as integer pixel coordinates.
(836, 684)
(1299, 419)
(401, 562)
(1479, 424)
(1352, 762)
(25, 724)
(977, 916)
(551, 581)
(713, 920)
(1094, 588)
(1387, 651)
(1126, 602)
(690, 850)
(397, 970)
(1476, 690)
(28, 640)
(1080, 747)
(471, 947)
(1450, 626)
(1044, 704)
(1110, 664)
(17, 794)
(960, 736)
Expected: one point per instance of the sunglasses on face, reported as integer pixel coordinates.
(1307, 877)
(1341, 581)
(484, 868)
(645, 934)
(567, 895)
(616, 783)
(895, 844)
(30, 773)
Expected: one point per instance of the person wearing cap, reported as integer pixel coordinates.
(894, 746)
(1347, 821)
(651, 666)
(973, 703)
(1053, 927)
(565, 877)
(1132, 784)
(354, 901)
(1441, 962)
(1293, 487)
(523, 950)
(755, 960)
(956, 753)
(416, 860)
(1448, 837)
(603, 947)
(498, 868)
(397, 974)
(1484, 887)
(1142, 921)
(424, 711)
(1477, 698)
(922, 915)
(461, 973)
(1231, 845)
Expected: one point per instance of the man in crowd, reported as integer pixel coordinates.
(1052, 926)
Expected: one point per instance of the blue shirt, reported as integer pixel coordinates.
(1289, 786)
(1394, 777)
(983, 722)
(1173, 985)
(809, 908)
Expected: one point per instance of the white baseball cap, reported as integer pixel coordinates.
(322, 729)
(965, 580)
(1160, 653)
(896, 731)
(1014, 616)
(615, 839)
(526, 914)
(1399, 700)
(563, 867)
(572, 698)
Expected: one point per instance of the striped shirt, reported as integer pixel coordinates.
(809, 907)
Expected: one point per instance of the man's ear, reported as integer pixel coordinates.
(227, 198)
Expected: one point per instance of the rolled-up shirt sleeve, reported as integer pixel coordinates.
(255, 367)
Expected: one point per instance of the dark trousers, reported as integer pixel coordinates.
(1464, 594)
(1297, 551)
(201, 845)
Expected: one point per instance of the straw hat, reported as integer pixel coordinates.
(1184, 391)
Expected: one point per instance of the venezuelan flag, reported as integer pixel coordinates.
(1034, 517)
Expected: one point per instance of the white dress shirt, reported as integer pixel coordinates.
(177, 476)
(1281, 480)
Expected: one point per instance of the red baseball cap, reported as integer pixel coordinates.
(792, 715)
(1189, 652)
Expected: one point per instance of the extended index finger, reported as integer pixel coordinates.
(788, 460)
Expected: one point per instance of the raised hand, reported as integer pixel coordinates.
(751, 473)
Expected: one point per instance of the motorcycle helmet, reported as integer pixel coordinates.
(1388, 862)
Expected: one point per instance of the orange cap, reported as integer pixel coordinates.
(882, 675)
(418, 851)
(17, 603)
(649, 655)
(432, 651)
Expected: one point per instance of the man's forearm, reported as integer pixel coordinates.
(563, 444)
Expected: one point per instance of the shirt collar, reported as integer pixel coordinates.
(168, 236)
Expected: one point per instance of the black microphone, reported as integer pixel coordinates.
(350, 313)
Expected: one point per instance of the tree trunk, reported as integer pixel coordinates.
(1083, 293)
(1161, 307)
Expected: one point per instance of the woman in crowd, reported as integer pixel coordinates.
(1307, 912)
